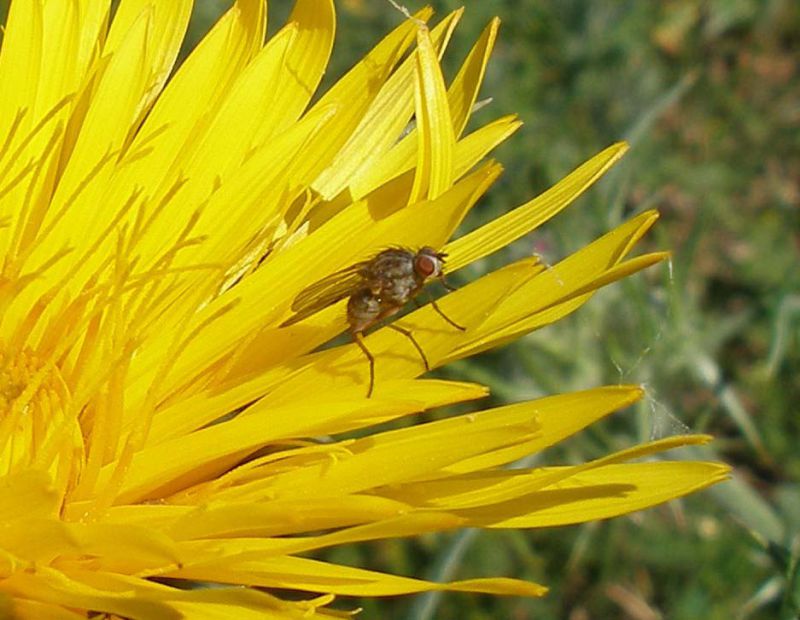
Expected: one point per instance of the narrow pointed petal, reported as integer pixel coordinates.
(603, 493)
(311, 575)
(383, 123)
(529, 216)
(304, 64)
(435, 171)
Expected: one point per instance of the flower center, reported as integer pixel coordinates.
(34, 419)
(15, 371)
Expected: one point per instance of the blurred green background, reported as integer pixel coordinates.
(708, 94)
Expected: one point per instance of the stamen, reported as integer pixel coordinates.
(29, 217)
(140, 230)
(85, 182)
(104, 497)
(104, 430)
(26, 141)
(99, 240)
(25, 171)
(12, 131)
(143, 148)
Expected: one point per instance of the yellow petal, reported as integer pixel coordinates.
(461, 97)
(522, 320)
(20, 60)
(52, 587)
(27, 495)
(117, 103)
(304, 65)
(602, 493)
(464, 90)
(70, 44)
(513, 225)
(269, 519)
(466, 154)
(560, 416)
(412, 524)
(476, 145)
(117, 547)
(262, 185)
(413, 453)
(562, 288)
(167, 26)
(222, 147)
(398, 397)
(26, 609)
(434, 174)
(181, 115)
(315, 576)
(502, 487)
(172, 602)
(380, 127)
(154, 516)
(353, 94)
(196, 456)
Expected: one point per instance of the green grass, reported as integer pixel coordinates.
(709, 96)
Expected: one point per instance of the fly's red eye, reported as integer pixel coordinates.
(426, 266)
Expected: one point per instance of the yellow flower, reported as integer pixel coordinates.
(157, 422)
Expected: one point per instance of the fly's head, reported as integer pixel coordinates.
(428, 263)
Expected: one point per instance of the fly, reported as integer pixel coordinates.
(377, 289)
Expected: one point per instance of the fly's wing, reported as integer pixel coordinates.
(326, 292)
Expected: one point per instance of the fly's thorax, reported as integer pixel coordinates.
(392, 263)
(363, 309)
(393, 278)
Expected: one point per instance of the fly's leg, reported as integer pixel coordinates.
(436, 307)
(446, 284)
(407, 333)
(359, 340)
(447, 318)
(439, 311)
